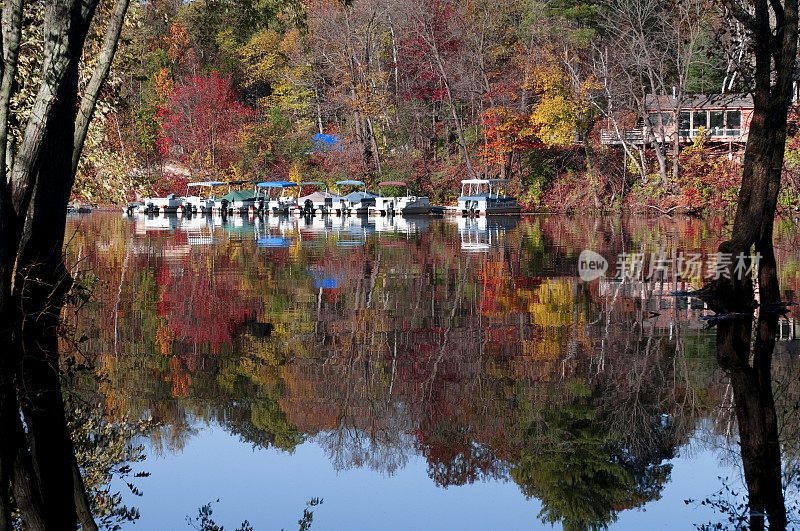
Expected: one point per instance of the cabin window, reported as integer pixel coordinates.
(716, 126)
(699, 119)
(666, 119)
(684, 123)
(733, 123)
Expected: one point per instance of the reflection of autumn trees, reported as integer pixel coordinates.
(491, 365)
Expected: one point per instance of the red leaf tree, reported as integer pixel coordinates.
(201, 121)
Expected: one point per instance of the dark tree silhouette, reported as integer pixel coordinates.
(773, 29)
(37, 464)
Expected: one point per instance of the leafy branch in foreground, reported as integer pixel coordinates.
(204, 520)
(732, 505)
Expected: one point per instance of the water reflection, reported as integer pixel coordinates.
(471, 343)
(746, 354)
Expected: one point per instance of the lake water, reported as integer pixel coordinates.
(421, 373)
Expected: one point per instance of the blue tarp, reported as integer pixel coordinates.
(325, 282)
(323, 142)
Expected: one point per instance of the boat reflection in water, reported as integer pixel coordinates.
(268, 231)
(351, 357)
(482, 234)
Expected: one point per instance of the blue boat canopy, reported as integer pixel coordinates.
(357, 197)
(350, 183)
(273, 241)
(277, 184)
(317, 183)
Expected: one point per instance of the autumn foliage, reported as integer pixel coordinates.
(428, 92)
(202, 120)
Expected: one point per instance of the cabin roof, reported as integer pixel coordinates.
(700, 101)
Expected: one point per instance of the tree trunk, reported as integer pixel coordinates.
(99, 76)
(375, 152)
(763, 157)
(11, 34)
(755, 405)
(459, 130)
(753, 226)
(37, 463)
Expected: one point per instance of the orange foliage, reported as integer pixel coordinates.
(504, 132)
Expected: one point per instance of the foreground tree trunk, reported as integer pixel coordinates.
(775, 50)
(37, 463)
(763, 158)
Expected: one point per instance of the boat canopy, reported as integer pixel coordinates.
(350, 183)
(206, 183)
(357, 197)
(314, 183)
(484, 181)
(277, 184)
(392, 183)
(317, 197)
(273, 241)
(237, 183)
(473, 187)
(239, 195)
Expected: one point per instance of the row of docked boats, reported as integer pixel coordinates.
(478, 197)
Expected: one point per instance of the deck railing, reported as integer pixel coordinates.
(631, 136)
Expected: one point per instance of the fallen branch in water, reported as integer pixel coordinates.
(688, 211)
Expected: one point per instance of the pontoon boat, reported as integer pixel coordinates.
(278, 204)
(241, 201)
(198, 203)
(171, 204)
(486, 196)
(406, 204)
(358, 202)
(318, 202)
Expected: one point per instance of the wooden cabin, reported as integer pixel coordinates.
(725, 118)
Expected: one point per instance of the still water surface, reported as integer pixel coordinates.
(419, 373)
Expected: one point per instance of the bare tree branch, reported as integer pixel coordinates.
(11, 34)
(99, 76)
